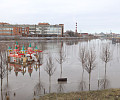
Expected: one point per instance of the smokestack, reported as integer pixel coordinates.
(76, 28)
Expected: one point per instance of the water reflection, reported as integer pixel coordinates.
(71, 42)
(83, 54)
(75, 42)
(50, 69)
(34, 81)
(82, 84)
(106, 56)
(39, 88)
(5, 89)
(3, 68)
(61, 57)
(61, 87)
(21, 69)
(104, 83)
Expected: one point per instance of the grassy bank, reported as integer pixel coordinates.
(110, 94)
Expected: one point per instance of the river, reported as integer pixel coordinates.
(26, 83)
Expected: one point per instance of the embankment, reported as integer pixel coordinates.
(110, 94)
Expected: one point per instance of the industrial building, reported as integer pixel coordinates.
(41, 29)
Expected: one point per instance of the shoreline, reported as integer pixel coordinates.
(108, 94)
(41, 38)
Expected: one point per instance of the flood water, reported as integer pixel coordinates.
(32, 81)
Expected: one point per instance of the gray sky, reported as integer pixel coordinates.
(91, 15)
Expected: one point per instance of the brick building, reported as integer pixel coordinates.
(8, 29)
(27, 29)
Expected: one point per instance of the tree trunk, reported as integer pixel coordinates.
(49, 84)
(82, 80)
(82, 74)
(98, 83)
(1, 83)
(1, 73)
(105, 68)
(105, 77)
(7, 75)
(1, 95)
(61, 71)
(105, 83)
(89, 80)
(39, 74)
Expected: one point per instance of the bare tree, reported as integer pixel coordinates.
(90, 63)
(83, 56)
(61, 59)
(104, 83)
(7, 87)
(39, 86)
(106, 55)
(50, 69)
(70, 33)
(61, 87)
(82, 84)
(40, 59)
(82, 59)
(3, 68)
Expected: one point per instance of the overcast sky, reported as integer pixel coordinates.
(91, 15)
